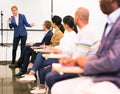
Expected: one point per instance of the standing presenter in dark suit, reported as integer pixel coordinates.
(18, 22)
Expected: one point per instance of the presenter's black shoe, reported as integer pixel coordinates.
(19, 74)
(15, 66)
(12, 65)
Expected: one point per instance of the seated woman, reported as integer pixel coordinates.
(86, 38)
(64, 47)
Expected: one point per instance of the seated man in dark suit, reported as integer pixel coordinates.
(55, 40)
(27, 52)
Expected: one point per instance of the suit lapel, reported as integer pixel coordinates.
(110, 36)
(14, 21)
(19, 19)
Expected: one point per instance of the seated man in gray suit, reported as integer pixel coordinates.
(104, 67)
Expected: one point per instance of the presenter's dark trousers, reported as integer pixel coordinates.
(15, 46)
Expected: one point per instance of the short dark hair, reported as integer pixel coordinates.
(47, 24)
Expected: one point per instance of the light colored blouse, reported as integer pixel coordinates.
(67, 42)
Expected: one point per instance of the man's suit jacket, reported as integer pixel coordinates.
(46, 39)
(20, 28)
(106, 63)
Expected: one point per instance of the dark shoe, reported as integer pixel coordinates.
(12, 65)
(20, 73)
(15, 66)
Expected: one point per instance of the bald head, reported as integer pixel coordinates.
(81, 16)
(83, 13)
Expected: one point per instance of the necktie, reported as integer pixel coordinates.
(104, 34)
(103, 37)
(105, 27)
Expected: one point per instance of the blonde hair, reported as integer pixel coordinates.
(14, 7)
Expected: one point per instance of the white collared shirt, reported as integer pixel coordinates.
(111, 20)
(17, 19)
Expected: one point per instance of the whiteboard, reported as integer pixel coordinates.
(35, 11)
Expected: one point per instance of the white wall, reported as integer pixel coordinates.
(39, 10)
(66, 7)
(35, 10)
